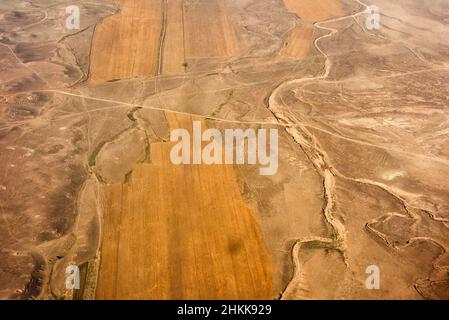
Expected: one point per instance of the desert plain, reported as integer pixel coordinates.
(363, 151)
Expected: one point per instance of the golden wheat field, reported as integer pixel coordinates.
(208, 30)
(299, 43)
(116, 54)
(315, 10)
(181, 232)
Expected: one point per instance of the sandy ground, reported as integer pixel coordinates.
(197, 30)
(363, 161)
(209, 32)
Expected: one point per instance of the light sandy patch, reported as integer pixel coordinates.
(392, 174)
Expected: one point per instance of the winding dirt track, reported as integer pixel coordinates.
(310, 11)
(317, 155)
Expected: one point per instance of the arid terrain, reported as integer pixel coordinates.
(86, 177)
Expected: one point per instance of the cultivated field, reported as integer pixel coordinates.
(117, 55)
(181, 232)
(363, 175)
(166, 35)
(315, 10)
(208, 30)
(174, 50)
(309, 11)
(299, 43)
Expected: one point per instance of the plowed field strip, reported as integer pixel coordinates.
(184, 232)
(299, 43)
(174, 52)
(315, 10)
(126, 44)
(208, 30)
